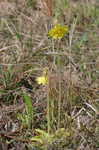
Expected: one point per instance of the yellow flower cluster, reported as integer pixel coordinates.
(42, 80)
(58, 31)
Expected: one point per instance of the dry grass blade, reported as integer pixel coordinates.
(48, 7)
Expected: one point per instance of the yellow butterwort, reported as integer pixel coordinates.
(42, 80)
(58, 31)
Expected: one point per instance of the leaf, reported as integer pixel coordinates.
(37, 139)
(28, 102)
(29, 107)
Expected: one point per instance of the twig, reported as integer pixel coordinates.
(13, 137)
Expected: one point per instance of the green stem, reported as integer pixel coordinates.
(59, 100)
(48, 106)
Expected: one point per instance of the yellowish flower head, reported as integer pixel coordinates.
(42, 80)
(58, 31)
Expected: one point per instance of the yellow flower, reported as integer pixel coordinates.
(42, 80)
(58, 31)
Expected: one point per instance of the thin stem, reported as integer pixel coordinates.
(59, 104)
(59, 100)
(53, 48)
(48, 106)
(69, 94)
(52, 112)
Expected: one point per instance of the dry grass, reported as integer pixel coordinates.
(73, 89)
